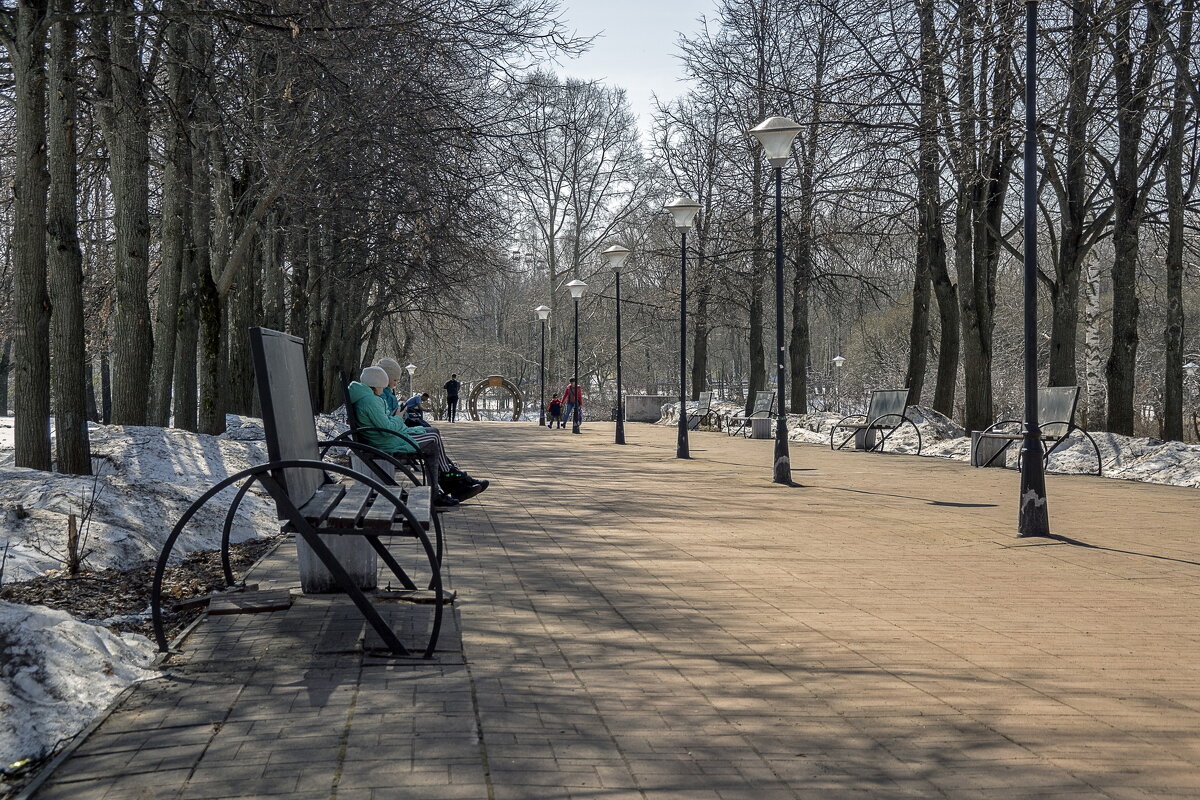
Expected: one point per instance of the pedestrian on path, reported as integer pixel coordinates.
(452, 386)
(555, 412)
(573, 402)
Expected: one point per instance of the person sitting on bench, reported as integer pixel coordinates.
(413, 413)
(449, 483)
(454, 477)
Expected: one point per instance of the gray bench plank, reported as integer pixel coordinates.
(351, 508)
(322, 502)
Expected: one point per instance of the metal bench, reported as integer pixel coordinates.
(319, 509)
(703, 409)
(885, 415)
(1056, 419)
(764, 408)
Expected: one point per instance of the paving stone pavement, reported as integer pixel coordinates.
(634, 626)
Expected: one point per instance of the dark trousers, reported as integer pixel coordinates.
(451, 408)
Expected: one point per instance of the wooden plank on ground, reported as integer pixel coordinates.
(251, 602)
(202, 600)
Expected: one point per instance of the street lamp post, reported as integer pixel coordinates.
(615, 256)
(577, 288)
(683, 209)
(412, 370)
(776, 135)
(1033, 517)
(837, 381)
(543, 314)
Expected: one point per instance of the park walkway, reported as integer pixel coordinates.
(633, 626)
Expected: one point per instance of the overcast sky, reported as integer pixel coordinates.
(636, 47)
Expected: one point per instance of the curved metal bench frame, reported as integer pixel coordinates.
(877, 424)
(1046, 440)
(263, 474)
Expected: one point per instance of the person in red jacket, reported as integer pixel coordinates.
(555, 409)
(573, 404)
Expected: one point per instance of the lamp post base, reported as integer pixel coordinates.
(783, 462)
(1033, 518)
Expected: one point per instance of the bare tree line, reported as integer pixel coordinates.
(200, 167)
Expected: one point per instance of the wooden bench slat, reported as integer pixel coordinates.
(380, 515)
(351, 507)
(322, 502)
(420, 502)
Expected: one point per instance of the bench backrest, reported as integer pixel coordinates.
(351, 414)
(287, 409)
(1056, 409)
(886, 403)
(705, 403)
(764, 405)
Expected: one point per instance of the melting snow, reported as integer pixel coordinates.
(56, 674)
(1126, 457)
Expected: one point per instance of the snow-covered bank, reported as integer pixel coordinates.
(1124, 457)
(56, 672)
(145, 478)
(56, 675)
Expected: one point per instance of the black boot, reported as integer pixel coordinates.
(461, 485)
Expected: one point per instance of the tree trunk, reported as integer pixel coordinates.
(274, 313)
(918, 331)
(31, 304)
(1173, 333)
(66, 259)
(1131, 92)
(1093, 354)
(700, 331)
(931, 238)
(93, 412)
(105, 389)
(758, 356)
(176, 170)
(1073, 200)
(5, 368)
(128, 140)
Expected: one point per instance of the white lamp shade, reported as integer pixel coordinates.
(838, 361)
(412, 369)
(684, 209)
(615, 256)
(576, 288)
(543, 312)
(776, 134)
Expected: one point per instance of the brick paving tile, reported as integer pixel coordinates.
(630, 625)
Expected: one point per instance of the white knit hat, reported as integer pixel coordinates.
(375, 377)
(392, 367)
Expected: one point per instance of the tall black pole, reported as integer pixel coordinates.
(783, 461)
(1033, 517)
(681, 446)
(542, 375)
(620, 407)
(575, 418)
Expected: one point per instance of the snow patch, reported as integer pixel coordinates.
(57, 674)
(1124, 457)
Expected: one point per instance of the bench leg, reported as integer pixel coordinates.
(391, 562)
(369, 612)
